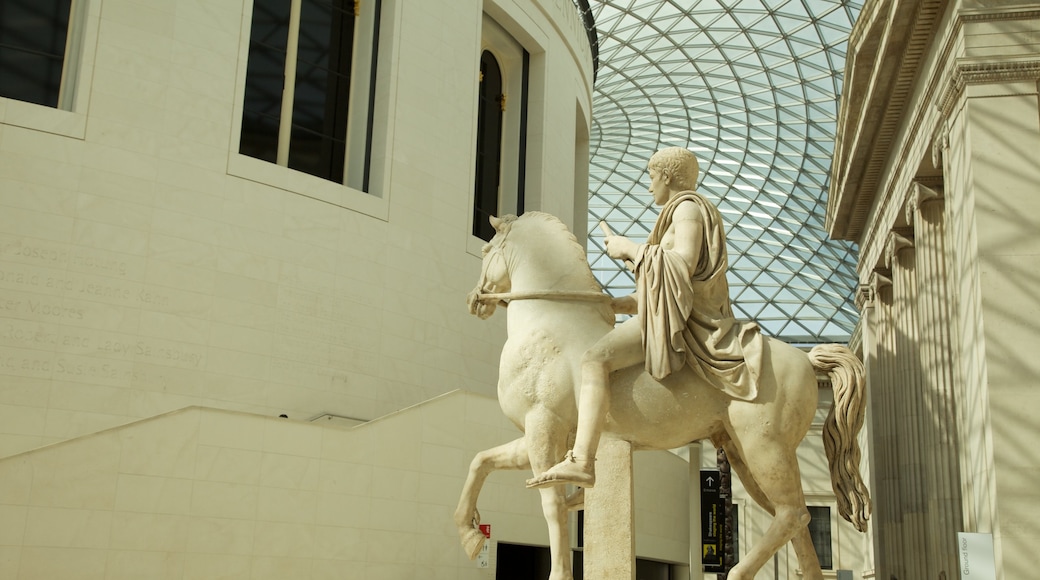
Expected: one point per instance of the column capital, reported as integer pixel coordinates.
(896, 243)
(940, 142)
(867, 293)
(920, 193)
(865, 296)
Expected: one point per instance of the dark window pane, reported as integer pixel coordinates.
(32, 49)
(316, 26)
(270, 24)
(259, 136)
(265, 72)
(313, 153)
(518, 562)
(652, 570)
(321, 98)
(735, 524)
(820, 531)
(489, 146)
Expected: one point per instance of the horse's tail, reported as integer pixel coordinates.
(843, 424)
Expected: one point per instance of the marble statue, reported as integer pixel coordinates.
(749, 394)
(683, 307)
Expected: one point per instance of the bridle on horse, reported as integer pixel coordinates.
(504, 298)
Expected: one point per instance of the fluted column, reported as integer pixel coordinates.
(875, 303)
(907, 390)
(925, 211)
(888, 514)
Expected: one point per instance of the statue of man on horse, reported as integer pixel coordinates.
(567, 370)
(682, 306)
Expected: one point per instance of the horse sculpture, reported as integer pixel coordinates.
(557, 310)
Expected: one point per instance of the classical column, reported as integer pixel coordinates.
(907, 390)
(867, 301)
(887, 515)
(925, 208)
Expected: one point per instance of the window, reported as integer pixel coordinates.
(519, 562)
(820, 531)
(735, 524)
(33, 45)
(501, 145)
(491, 104)
(308, 94)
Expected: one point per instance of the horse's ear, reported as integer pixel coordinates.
(496, 223)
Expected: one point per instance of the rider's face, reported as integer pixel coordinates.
(659, 186)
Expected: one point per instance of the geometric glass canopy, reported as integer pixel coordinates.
(751, 87)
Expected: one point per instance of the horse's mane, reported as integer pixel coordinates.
(554, 222)
(578, 252)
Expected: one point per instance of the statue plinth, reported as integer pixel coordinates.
(610, 548)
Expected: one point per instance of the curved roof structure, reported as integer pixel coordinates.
(752, 88)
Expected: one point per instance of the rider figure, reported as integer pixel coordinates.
(682, 306)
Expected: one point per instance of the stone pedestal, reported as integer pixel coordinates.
(610, 550)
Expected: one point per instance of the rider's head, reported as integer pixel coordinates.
(679, 165)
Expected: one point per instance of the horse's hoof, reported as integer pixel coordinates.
(473, 543)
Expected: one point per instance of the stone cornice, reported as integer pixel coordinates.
(879, 81)
(986, 72)
(869, 197)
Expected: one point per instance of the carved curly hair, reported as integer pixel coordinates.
(678, 164)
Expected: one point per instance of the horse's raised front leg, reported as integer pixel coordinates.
(512, 455)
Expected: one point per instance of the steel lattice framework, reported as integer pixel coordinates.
(752, 88)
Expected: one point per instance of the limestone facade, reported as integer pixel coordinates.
(934, 176)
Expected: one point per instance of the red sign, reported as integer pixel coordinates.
(486, 530)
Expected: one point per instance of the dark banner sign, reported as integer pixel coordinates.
(712, 515)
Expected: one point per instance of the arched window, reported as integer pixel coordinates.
(490, 108)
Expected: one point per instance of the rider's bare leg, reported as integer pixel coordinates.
(620, 348)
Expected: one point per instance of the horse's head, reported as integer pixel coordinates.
(494, 271)
(534, 256)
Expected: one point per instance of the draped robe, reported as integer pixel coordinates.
(686, 316)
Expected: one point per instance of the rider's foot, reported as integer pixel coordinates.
(580, 472)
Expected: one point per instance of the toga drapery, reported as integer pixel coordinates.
(686, 316)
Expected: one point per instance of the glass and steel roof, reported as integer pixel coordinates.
(752, 88)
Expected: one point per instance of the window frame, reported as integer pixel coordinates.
(830, 532)
(39, 44)
(514, 63)
(490, 124)
(378, 83)
(69, 117)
